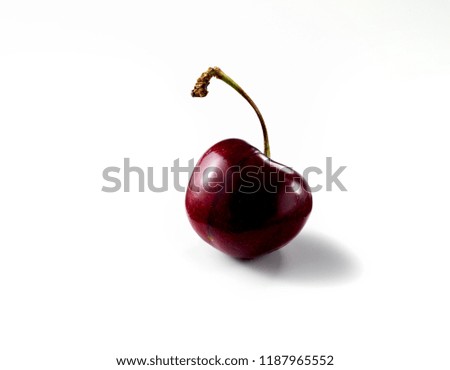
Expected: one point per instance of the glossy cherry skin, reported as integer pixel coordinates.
(243, 203)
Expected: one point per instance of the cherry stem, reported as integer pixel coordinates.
(200, 90)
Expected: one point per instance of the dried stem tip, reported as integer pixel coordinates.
(201, 86)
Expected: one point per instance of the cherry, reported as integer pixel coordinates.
(238, 199)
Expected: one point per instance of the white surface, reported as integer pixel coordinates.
(88, 276)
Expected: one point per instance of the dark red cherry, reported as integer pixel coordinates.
(243, 203)
(238, 199)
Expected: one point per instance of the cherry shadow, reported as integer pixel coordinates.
(310, 258)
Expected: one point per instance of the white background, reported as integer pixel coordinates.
(88, 276)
